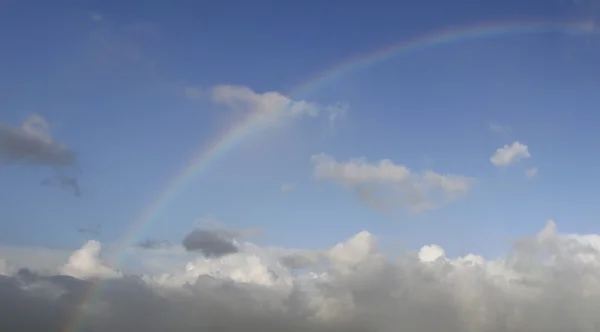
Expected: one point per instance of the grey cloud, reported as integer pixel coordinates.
(301, 259)
(31, 143)
(548, 282)
(33, 303)
(213, 243)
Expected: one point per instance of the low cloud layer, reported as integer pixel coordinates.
(386, 185)
(546, 282)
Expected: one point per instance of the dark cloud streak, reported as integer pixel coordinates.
(213, 243)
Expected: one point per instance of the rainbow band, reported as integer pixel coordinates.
(232, 137)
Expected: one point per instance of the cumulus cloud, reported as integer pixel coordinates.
(271, 105)
(85, 263)
(547, 282)
(384, 184)
(510, 154)
(531, 172)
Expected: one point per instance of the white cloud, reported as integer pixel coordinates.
(271, 106)
(85, 263)
(547, 282)
(388, 185)
(509, 154)
(531, 172)
(287, 187)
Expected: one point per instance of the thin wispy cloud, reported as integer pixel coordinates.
(500, 129)
(531, 172)
(287, 187)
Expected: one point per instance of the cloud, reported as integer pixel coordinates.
(384, 184)
(64, 181)
(510, 154)
(301, 259)
(32, 143)
(86, 263)
(547, 282)
(500, 129)
(96, 17)
(214, 242)
(531, 172)
(287, 187)
(154, 244)
(271, 105)
(131, 44)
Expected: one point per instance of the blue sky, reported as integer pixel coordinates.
(113, 90)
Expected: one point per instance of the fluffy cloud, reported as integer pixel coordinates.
(85, 263)
(546, 282)
(388, 185)
(271, 106)
(510, 154)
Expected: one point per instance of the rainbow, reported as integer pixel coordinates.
(252, 123)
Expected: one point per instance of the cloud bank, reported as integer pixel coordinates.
(546, 282)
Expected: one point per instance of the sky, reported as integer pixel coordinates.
(295, 152)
